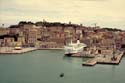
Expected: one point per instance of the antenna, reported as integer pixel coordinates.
(2, 25)
(44, 20)
(70, 22)
(95, 25)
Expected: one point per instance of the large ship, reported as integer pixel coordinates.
(74, 49)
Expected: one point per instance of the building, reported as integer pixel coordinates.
(9, 42)
(31, 34)
(1, 42)
(4, 31)
(14, 30)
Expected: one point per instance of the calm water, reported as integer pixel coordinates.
(45, 66)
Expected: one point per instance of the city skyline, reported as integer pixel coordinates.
(106, 13)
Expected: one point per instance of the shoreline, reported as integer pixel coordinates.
(90, 62)
(50, 48)
(11, 50)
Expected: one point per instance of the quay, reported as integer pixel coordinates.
(11, 50)
(90, 62)
(83, 55)
(104, 60)
(50, 48)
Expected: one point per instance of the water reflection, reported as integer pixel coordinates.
(74, 59)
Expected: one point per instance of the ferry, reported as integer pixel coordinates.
(74, 49)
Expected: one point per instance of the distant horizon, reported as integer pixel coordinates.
(106, 13)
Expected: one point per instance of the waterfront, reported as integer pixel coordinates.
(11, 50)
(45, 66)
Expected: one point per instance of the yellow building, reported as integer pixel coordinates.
(20, 41)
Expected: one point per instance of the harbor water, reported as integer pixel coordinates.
(45, 66)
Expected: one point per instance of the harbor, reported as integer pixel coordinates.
(93, 59)
(62, 41)
(45, 66)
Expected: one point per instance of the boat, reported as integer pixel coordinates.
(17, 48)
(74, 49)
(62, 75)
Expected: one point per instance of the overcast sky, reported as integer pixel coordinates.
(106, 13)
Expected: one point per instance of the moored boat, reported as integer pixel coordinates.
(74, 49)
(17, 48)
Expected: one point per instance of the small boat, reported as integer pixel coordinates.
(17, 48)
(62, 75)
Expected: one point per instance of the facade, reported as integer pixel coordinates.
(14, 30)
(31, 34)
(9, 41)
(1, 42)
(4, 31)
(45, 45)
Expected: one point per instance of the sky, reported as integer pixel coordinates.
(106, 13)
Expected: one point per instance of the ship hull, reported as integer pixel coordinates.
(79, 54)
(69, 54)
(75, 51)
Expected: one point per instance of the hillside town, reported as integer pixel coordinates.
(106, 45)
(55, 35)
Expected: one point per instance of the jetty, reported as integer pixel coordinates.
(105, 60)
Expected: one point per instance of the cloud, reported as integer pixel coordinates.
(105, 12)
(93, 0)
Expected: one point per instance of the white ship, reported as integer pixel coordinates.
(74, 48)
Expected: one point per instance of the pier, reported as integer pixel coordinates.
(104, 60)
